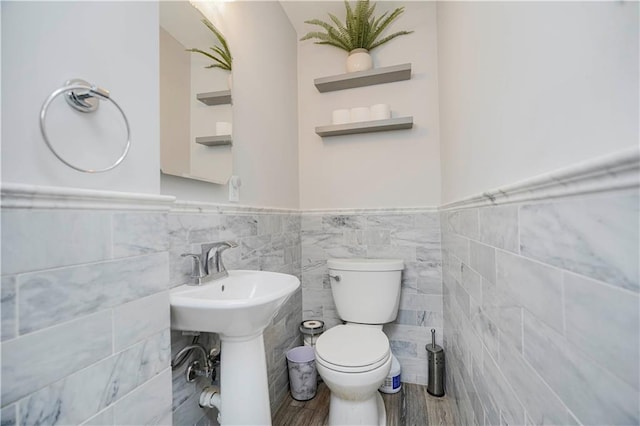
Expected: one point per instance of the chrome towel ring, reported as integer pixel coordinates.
(86, 98)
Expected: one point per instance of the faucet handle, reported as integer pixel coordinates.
(212, 258)
(198, 267)
(226, 245)
(212, 251)
(220, 265)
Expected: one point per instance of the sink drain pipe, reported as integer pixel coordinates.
(210, 398)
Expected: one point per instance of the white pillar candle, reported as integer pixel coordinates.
(340, 116)
(360, 114)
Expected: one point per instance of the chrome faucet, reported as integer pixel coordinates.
(208, 265)
(213, 264)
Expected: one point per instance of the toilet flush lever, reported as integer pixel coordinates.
(335, 277)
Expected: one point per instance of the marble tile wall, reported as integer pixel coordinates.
(413, 236)
(267, 241)
(540, 305)
(541, 311)
(85, 318)
(85, 330)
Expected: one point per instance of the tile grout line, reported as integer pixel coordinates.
(16, 324)
(563, 299)
(522, 330)
(550, 389)
(518, 226)
(111, 242)
(113, 330)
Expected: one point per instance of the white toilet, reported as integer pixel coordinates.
(354, 359)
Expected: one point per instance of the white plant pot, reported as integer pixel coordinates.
(230, 81)
(359, 60)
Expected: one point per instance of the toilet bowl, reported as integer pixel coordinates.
(354, 359)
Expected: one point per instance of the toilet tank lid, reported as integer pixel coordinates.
(366, 264)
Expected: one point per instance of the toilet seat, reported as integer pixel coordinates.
(352, 349)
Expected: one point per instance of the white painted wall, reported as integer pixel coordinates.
(560, 88)
(389, 169)
(111, 44)
(528, 87)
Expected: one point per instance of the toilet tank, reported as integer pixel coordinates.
(366, 291)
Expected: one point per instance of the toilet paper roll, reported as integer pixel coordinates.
(380, 112)
(360, 114)
(340, 116)
(223, 128)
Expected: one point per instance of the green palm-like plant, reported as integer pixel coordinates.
(221, 54)
(361, 28)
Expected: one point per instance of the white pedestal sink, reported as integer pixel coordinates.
(238, 308)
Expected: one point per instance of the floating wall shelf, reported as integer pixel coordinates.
(398, 123)
(215, 140)
(363, 78)
(215, 98)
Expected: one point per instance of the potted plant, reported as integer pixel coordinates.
(221, 54)
(360, 33)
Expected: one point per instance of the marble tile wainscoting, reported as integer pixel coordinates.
(269, 240)
(85, 318)
(409, 234)
(541, 301)
(85, 302)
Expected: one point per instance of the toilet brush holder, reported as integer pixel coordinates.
(435, 356)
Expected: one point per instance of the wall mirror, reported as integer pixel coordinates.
(196, 135)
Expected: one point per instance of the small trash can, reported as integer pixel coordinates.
(303, 381)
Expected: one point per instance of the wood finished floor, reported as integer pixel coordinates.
(412, 406)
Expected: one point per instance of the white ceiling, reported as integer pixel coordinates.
(299, 11)
(178, 18)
